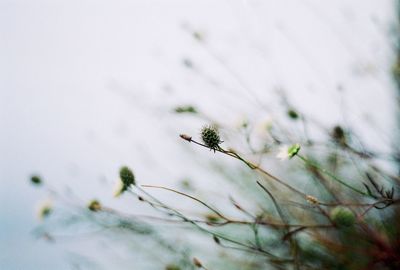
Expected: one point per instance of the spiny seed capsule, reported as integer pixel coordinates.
(210, 137)
(127, 177)
(342, 216)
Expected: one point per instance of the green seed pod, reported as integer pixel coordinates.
(127, 177)
(210, 137)
(343, 217)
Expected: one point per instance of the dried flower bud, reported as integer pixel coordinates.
(342, 216)
(210, 137)
(94, 205)
(311, 199)
(186, 137)
(197, 263)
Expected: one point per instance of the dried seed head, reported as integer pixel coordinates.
(342, 216)
(127, 177)
(210, 137)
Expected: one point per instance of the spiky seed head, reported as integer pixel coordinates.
(127, 177)
(342, 216)
(94, 205)
(210, 137)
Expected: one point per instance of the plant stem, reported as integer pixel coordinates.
(334, 177)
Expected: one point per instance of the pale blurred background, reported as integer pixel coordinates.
(87, 86)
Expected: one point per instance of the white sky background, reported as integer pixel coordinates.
(86, 86)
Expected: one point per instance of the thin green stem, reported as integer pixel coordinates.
(333, 176)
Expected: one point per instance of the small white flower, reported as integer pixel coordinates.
(287, 152)
(119, 188)
(283, 153)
